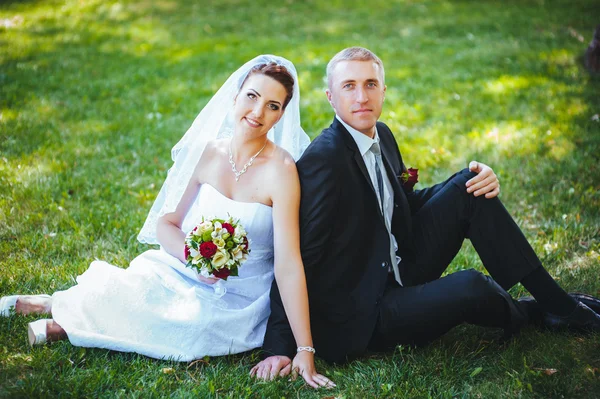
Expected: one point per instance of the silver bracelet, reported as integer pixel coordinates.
(306, 348)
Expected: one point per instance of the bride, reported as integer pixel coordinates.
(236, 159)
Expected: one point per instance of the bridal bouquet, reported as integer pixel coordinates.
(217, 247)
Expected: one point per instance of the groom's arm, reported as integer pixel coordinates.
(279, 339)
(479, 179)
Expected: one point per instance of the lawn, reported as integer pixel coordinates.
(93, 95)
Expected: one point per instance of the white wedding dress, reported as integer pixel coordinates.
(158, 307)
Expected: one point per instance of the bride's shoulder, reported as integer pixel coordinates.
(282, 164)
(211, 153)
(282, 158)
(215, 148)
(217, 145)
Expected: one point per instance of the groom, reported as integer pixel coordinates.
(374, 249)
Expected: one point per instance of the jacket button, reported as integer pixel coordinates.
(384, 264)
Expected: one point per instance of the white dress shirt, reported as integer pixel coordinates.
(364, 144)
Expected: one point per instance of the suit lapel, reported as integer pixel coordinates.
(360, 162)
(351, 144)
(363, 168)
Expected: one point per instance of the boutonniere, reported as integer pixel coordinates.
(410, 178)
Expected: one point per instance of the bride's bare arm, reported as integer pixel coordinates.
(168, 228)
(289, 271)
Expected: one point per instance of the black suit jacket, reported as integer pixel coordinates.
(344, 244)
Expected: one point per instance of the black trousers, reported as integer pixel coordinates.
(427, 306)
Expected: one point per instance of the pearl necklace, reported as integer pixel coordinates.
(246, 165)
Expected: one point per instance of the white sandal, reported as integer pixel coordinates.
(9, 302)
(37, 332)
(6, 304)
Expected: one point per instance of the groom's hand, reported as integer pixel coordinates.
(272, 367)
(485, 183)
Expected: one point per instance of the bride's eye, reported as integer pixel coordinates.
(274, 107)
(251, 96)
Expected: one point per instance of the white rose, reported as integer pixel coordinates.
(219, 230)
(220, 258)
(219, 242)
(237, 253)
(239, 232)
(203, 228)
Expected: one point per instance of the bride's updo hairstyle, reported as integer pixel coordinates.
(278, 73)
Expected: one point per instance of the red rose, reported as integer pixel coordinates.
(186, 252)
(410, 178)
(222, 273)
(228, 227)
(208, 249)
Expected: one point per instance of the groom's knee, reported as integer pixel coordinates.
(461, 178)
(476, 285)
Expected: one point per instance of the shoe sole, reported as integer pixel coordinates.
(31, 336)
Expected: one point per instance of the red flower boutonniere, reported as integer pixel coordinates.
(410, 178)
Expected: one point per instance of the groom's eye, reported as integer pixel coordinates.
(348, 86)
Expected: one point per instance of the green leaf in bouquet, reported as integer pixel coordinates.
(206, 236)
(194, 245)
(234, 271)
(229, 244)
(226, 236)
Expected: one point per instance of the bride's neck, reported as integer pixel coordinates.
(242, 149)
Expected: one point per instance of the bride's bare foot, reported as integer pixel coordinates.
(33, 304)
(46, 330)
(54, 332)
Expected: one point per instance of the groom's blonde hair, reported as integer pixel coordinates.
(353, 54)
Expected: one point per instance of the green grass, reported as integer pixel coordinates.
(93, 94)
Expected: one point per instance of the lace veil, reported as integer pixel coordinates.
(216, 121)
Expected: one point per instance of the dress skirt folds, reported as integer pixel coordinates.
(157, 307)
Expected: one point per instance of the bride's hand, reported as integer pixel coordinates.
(208, 280)
(304, 365)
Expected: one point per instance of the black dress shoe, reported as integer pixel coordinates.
(581, 319)
(534, 310)
(588, 300)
